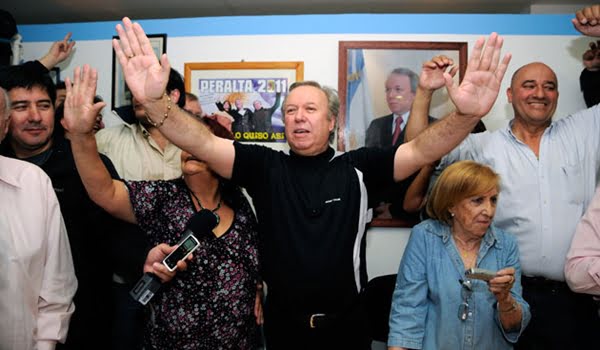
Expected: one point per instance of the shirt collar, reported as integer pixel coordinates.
(404, 119)
(511, 134)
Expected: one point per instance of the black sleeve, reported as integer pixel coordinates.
(376, 164)
(250, 166)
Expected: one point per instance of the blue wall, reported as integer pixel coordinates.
(318, 24)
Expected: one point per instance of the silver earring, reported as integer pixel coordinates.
(452, 214)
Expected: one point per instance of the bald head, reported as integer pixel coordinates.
(517, 76)
(533, 94)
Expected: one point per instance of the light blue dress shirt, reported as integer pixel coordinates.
(428, 294)
(541, 200)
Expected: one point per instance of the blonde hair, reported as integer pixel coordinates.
(460, 180)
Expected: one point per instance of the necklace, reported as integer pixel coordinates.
(469, 256)
(214, 211)
(464, 245)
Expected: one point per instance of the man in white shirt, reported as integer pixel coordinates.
(37, 283)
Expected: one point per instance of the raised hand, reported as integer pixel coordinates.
(432, 72)
(479, 89)
(587, 20)
(80, 109)
(591, 58)
(59, 51)
(146, 77)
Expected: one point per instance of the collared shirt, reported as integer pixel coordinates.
(37, 283)
(136, 155)
(582, 269)
(404, 121)
(541, 200)
(428, 294)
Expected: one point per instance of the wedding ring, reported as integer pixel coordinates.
(131, 56)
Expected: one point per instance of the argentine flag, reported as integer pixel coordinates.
(358, 101)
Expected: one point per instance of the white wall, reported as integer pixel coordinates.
(320, 56)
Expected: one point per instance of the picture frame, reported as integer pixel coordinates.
(219, 86)
(54, 74)
(364, 67)
(121, 96)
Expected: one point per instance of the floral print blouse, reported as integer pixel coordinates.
(211, 304)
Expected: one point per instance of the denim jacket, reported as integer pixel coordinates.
(428, 294)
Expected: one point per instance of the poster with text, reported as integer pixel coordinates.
(249, 93)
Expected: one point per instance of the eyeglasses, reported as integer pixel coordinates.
(465, 292)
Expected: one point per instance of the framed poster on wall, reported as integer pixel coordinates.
(250, 92)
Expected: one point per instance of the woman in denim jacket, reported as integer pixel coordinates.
(435, 305)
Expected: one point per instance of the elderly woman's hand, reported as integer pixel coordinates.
(501, 285)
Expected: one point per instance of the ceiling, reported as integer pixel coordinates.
(64, 11)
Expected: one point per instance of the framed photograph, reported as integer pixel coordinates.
(121, 96)
(251, 93)
(54, 74)
(377, 81)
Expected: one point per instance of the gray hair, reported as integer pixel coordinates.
(412, 76)
(6, 103)
(333, 102)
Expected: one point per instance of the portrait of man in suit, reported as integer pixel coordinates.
(377, 94)
(388, 130)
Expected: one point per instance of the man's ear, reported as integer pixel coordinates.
(509, 95)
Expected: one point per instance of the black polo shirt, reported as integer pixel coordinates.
(312, 213)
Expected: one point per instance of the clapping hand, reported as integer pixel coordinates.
(146, 77)
(80, 109)
(479, 89)
(432, 72)
(587, 21)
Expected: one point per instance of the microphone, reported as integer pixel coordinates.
(200, 223)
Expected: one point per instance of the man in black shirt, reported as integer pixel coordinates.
(311, 204)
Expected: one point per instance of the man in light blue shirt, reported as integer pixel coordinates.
(548, 171)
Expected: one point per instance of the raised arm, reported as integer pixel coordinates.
(147, 79)
(587, 21)
(80, 116)
(473, 99)
(430, 79)
(416, 194)
(59, 51)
